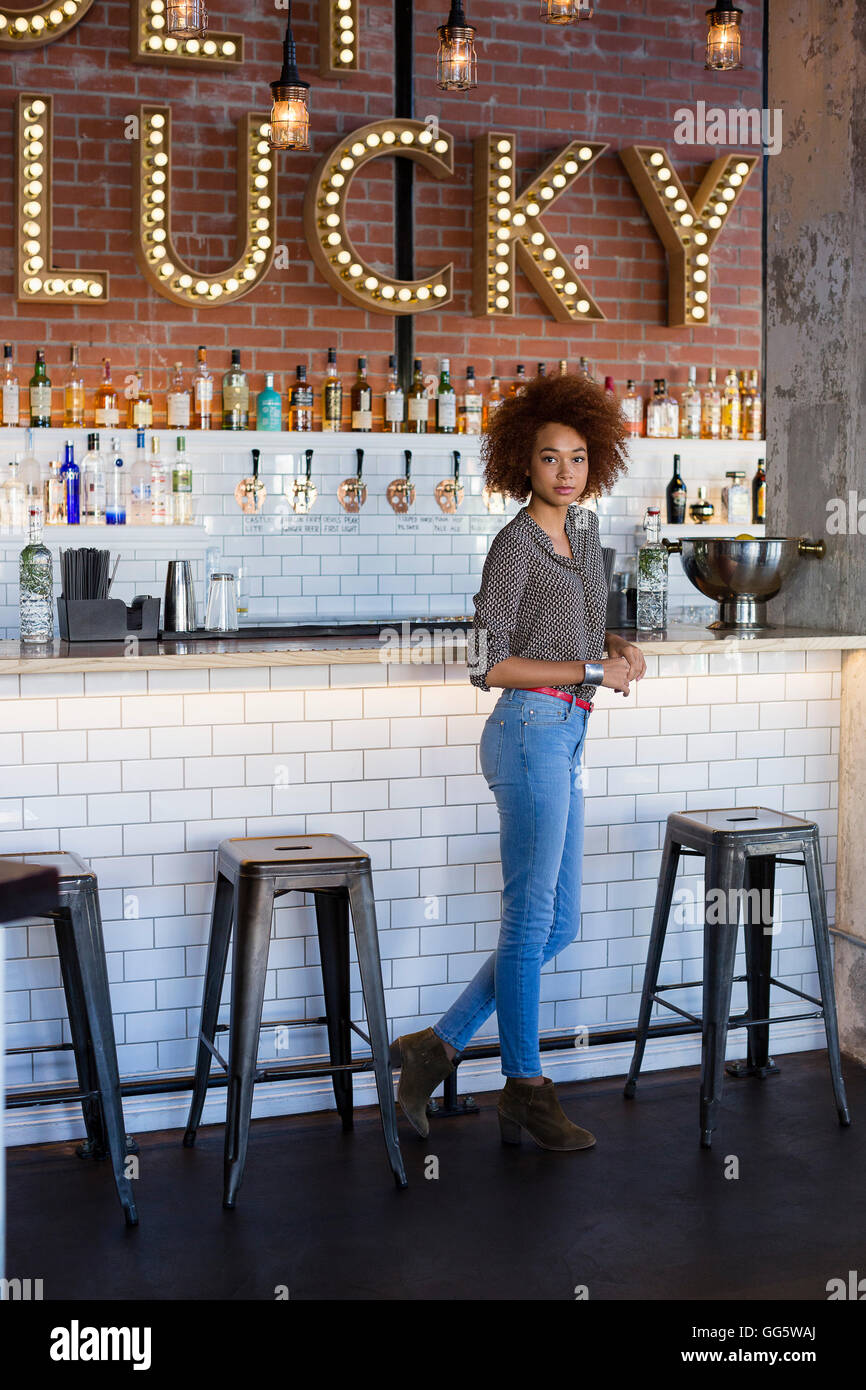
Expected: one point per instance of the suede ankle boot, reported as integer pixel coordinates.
(423, 1063)
(537, 1110)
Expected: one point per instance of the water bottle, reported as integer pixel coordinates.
(652, 577)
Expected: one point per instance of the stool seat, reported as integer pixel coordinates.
(251, 873)
(69, 867)
(741, 847)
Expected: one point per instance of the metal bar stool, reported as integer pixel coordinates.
(251, 873)
(81, 949)
(741, 847)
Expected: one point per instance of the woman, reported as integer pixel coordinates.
(539, 637)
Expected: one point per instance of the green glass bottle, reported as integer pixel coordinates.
(40, 394)
(446, 401)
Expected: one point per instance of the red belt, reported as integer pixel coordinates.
(560, 695)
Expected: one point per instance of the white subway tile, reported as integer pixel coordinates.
(91, 712)
(115, 683)
(142, 711)
(166, 682)
(306, 736)
(724, 718)
(38, 687)
(20, 715)
(157, 774)
(712, 690)
(685, 719)
(783, 714)
(630, 723)
(32, 779)
(329, 704)
(106, 745)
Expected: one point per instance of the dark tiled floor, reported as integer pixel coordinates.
(647, 1214)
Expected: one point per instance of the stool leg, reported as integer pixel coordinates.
(254, 910)
(758, 928)
(332, 921)
(86, 924)
(725, 873)
(664, 897)
(818, 905)
(367, 941)
(215, 971)
(96, 1144)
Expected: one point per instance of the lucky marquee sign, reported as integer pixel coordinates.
(507, 221)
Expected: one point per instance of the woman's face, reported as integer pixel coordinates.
(559, 465)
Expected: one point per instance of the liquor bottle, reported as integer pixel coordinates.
(71, 475)
(236, 395)
(759, 495)
(202, 393)
(584, 369)
(731, 407)
(518, 385)
(690, 408)
(11, 392)
(361, 403)
(632, 409)
(711, 409)
(139, 403)
(446, 401)
(269, 407)
(470, 414)
(30, 475)
(676, 496)
(301, 402)
(93, 484)
(417, 403)
(752, 421)
(177, 401)
(115, 487)
(40, 394)
(181, 486)
(563, 366)
(609, 386)
(541, 369)
(652, 577)
(662, 413)
(736, 503)
(36, 589)
(73, 392)
(670, 409)
(54, 504)
(394, 402)
(160, 506)
(494, 400)
(332, 396)
(140, 502)
(12, 508)
(106, 406)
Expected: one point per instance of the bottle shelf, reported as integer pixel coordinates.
(119, 537)
(690, 530)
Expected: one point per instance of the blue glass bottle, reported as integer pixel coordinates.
(70, 474)
(269, 410)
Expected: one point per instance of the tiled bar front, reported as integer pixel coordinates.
(143, 771)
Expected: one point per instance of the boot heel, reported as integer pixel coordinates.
(509, 1130)
(395, 1056)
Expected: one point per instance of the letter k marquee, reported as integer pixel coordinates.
(507, 229)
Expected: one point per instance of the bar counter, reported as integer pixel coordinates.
(142, 761)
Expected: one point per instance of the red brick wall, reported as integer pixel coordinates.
(618, 78)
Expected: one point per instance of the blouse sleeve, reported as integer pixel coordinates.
(503, 582)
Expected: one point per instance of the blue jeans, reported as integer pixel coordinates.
(530, 757)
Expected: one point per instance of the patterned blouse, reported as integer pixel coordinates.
(536, 603)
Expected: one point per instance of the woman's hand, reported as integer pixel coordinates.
(616, 674)
(617, 646)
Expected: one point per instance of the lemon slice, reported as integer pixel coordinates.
(744, 537)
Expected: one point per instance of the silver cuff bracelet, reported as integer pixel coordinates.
(593, 673)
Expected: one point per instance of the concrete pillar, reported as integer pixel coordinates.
(816, 390)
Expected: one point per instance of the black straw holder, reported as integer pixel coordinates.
(107, 619)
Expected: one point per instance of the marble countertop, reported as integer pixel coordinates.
(422, 648)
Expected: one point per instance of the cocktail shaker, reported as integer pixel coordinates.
(179, 610)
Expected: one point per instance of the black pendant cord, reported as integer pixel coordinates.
(404, 185)
(765, 85)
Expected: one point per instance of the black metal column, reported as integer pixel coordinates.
(404, 184)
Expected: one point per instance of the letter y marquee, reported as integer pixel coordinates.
(506, 225)
(687, 229)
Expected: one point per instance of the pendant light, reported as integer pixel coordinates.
(290, 114)
(455, 62)
(186, 18)
(724, 40)
(565, 11)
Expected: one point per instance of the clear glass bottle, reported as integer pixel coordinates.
(71, 475)
(541, 369)
(139, 403)
(106, 403)
(140, 500)
(736, 499)
(417, 402)
(181, 486)
(73, 392)
(632, 409)
(332, 396)
(202, 393)
(711, 408)
(11, 390)
(753, 415)
(731, 407)
(494, 400)
(93, 484)
(361, 404)
(563, 366)
(269, 407)
(759, 495)
(652, 577)
(160, 506)
(30, 475)
(54, 505)
(584, 368)
(690, 408)
(395, 405)
(301, 402)
(40, 394)
(36, 588)
(675, 495)
(177, 401)
(470, 415)
(115, 487)
(518, 385)
(236, 395)
(13, 509)
(655, 419)
(446, 401)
